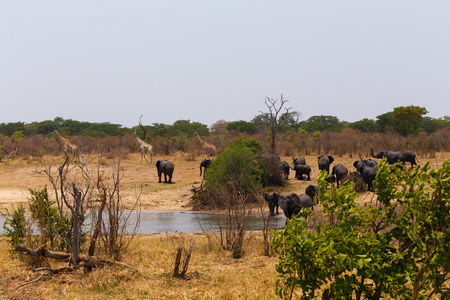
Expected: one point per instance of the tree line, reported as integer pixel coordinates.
(403, 120)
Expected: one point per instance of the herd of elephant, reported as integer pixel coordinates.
(293, 204)
(366, 169)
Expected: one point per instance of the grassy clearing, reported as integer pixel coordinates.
(212, 273)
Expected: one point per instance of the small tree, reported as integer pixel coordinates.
(398, 248)
(408, 118)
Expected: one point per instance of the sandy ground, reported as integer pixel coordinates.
(20, 174)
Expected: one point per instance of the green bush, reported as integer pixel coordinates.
(15, 226)
(398, 248)
(54, 227)
(241, 163)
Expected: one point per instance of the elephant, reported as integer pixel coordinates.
(272, 200)
(340, 172)
(368, 174)
(331, 179)
(408, 156)
(300, 170)
(300, 161)
(204, 164)
(365, 162)
(325, 162)
(293, 204)
(396, 156)
(284, 165)
(166, 167)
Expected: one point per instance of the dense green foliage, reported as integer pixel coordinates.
(15, 227)
(404, 120)
(242, 126)
(237, 162)
(45, 226)
(398, 248)
(54, 227)
(241, 166)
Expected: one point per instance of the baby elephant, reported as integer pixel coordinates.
(166, 167)
(272, 200)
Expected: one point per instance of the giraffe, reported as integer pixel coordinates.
(144, 147)
(206, 147)
(66, 145)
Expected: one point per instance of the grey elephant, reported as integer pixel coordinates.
(365, 162)
(204, 164)
(293, 204)
(331, 179)
(396, 156)
(166, 167)
(272, 200)
(340, 172)
(284, 165)
(368, 174)
(301, 170)
(324, 162)
(300, 161)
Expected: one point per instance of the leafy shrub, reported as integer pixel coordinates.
(54, 227)
(240, 163)
(398, 248)
(15, 226)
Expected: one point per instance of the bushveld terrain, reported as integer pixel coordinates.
(212, 273)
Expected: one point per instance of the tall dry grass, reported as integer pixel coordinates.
(212, 273)
(289, 143)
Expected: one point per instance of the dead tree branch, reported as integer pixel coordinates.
(86, 260)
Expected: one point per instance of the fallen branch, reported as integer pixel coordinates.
(30, 282)
(87, 260)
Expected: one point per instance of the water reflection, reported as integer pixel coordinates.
(188, 221)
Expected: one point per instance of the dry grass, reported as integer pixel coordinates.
(212, 274)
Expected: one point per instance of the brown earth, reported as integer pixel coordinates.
(20, 174)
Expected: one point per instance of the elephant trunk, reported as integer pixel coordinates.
(371, 152)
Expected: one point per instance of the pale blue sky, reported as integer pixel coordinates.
(112, 61)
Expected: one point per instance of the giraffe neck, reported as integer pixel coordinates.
(60, 136)
(139, 140)
(200, 139)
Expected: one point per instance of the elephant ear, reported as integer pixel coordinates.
(331, 158)
(355, 164)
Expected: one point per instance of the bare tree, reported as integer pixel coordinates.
(72, 190)
(275, 106)
(120, 225)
